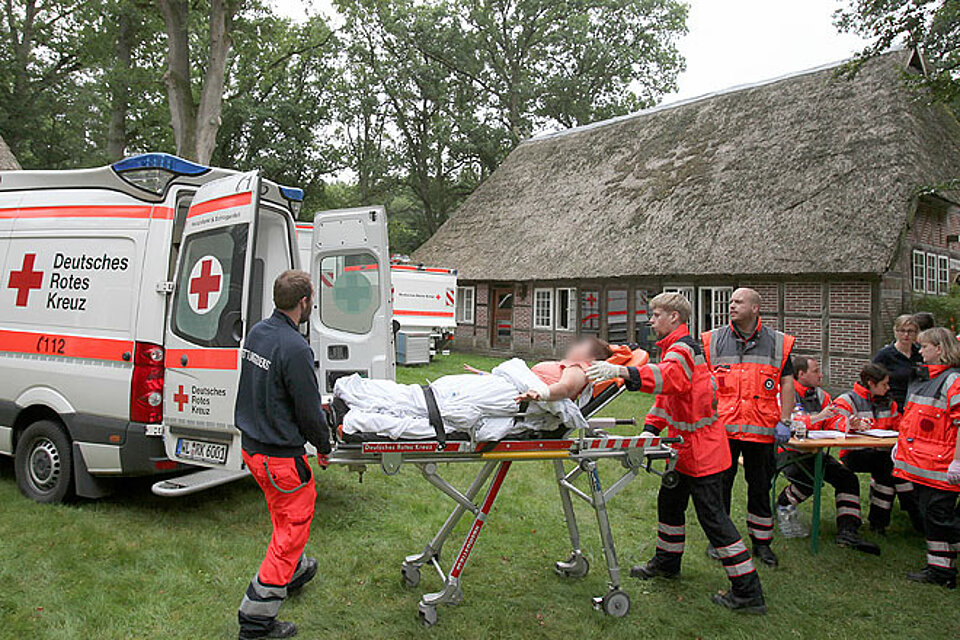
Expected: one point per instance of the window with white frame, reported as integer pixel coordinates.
(689, 294)
(919, 271)
(930, 272)
(543, 308)
(566, 319)
(466, 297)
(714, 307)
(943, 275)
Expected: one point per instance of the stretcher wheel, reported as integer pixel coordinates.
(428, 614)
(576, 566)
(616, 603)
(670, 479)
(411, 575)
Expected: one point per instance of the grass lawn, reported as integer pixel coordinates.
(138, 566)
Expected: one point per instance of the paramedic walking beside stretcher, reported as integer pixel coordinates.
(686, 407)
(278, 410)
(755, 396)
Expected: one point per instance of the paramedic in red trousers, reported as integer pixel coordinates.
(278, 410)
(927, 453)
(755, 397)
(685, 407)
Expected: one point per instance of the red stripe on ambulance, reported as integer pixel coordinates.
(67, 346)
(202, 359)
(91, 211)
(431, 314)
(218, 204)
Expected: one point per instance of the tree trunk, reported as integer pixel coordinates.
(211, 98)
(183, 110)
(120, 86)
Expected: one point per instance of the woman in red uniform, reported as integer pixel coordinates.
(927, 453)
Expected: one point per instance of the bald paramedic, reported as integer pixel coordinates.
(684, 406)
(278, 411)
(751, 367)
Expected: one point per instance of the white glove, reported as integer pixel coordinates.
(953, 473)
(601, 370)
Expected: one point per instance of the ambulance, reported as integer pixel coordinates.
(125, 294)
(424, 298)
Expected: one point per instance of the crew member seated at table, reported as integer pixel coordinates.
(869, 406)
(928, 453)
(800, 473)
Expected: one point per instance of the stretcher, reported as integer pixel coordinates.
(574, 456)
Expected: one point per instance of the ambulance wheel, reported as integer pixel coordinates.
(670, 479)
(577, 566)
(411, 575)
(44, 463)
(428, 614)
(616, 603)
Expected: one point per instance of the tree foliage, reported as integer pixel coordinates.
(410, 104)
(933, 26)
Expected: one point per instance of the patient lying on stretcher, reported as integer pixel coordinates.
(483, 405)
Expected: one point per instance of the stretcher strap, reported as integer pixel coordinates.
(433, 413)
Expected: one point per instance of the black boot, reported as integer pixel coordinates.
(851, 538)
(650, 570)
(309, 571)
(278, 630)
(741, 604)
(765, 554)
(929, 576)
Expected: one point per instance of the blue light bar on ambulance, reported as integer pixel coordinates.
(153, 171)
(295, 196)
(173, 164)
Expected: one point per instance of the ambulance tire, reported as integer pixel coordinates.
(44, 463)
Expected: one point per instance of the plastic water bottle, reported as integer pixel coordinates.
(798, 423)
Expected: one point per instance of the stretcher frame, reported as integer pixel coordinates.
(584, 450)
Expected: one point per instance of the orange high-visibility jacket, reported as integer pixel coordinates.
(813, 400)
(928, 429)
(747, 374)
(685, 404)
(883, 413)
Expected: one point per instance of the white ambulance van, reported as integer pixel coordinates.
(125, 292)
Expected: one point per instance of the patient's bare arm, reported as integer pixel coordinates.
(569, 386)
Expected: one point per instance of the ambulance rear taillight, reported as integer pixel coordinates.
(146, 388)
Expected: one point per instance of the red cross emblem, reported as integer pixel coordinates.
(592, 299)
(26, 279)
(180, 398)
(205, 281)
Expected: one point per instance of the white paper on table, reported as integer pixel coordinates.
(880, 433)
(824, 435)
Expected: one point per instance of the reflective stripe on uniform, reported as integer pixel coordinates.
(937, 545)
(760, 521)
(937, 403)
(740, 569)
(941, 561)
(679, 424)
(749, 428)
(848, 511)
(921, 473)
(847, 497)
(669, 547)
(903, 486)
(657, 378)
(731, 549)
(679, 358)
(671, 530)
(881, 488)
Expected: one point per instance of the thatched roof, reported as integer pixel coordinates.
(7, 159)
(812, 173)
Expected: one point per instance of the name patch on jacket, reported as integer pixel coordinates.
(256, 359)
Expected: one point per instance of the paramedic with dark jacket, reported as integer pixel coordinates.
(278, 410)
(685, 407)
(751, 366)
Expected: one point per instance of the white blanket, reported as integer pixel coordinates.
(483, 405)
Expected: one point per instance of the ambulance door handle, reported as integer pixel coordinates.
(184, 360)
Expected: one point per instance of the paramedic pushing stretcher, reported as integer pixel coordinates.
(278, 410)
(686, 407)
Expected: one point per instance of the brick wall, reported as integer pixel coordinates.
(850, 336)
(803, 297)
(543, 342)
(807, 331)
(850, 298)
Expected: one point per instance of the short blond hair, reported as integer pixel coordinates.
(671, 301)
(905, 319)
(948, 343)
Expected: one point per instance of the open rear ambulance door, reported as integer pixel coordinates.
(351, 328)
(218, 296)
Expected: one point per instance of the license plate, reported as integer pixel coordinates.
(201, 451)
